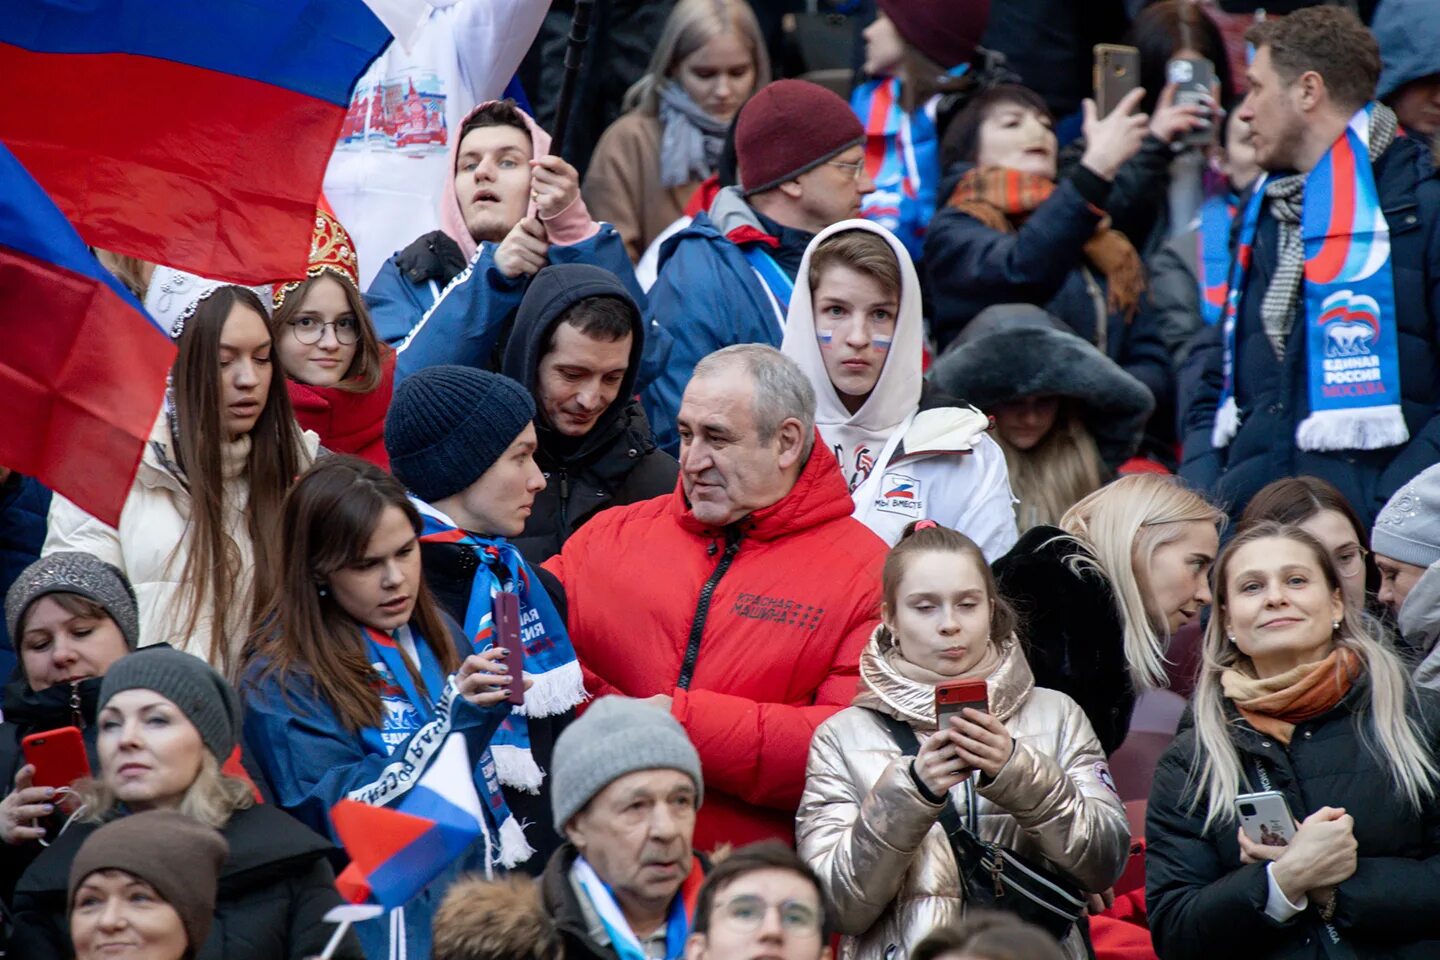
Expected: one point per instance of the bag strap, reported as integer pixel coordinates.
(909, 744)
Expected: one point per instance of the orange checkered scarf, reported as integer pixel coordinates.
(1002, 199)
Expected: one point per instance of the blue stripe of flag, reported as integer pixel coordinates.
(313, 47)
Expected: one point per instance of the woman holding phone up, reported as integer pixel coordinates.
(869, 822)
(1296, 697)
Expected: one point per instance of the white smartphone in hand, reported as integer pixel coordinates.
(1265, 818)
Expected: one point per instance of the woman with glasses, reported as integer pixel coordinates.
(1315, 506)
(340, 376)
(1025, 770)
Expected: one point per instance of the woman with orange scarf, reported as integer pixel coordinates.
(1296, 696)
(1010, 233)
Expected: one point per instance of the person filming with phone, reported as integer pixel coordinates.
(1306, 724)
(949, 735)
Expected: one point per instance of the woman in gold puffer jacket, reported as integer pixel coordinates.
(869, 819)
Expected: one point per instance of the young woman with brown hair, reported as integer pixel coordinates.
(199, 520)
(354, 669)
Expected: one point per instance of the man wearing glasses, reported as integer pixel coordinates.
(727, 278)
(761, 901)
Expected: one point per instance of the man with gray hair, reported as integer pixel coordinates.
(739, 603)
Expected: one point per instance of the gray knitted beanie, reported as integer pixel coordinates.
(185, 680)
(616, 736)
(82, 574)
(1408, 528)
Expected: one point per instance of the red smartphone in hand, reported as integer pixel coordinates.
(507, 629)
(58, 757)
(952, 697)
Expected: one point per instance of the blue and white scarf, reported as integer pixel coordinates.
(550, 663)
(422, 719)
(623, 940)
(1353, 365)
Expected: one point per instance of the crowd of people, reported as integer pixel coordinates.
(947, 523)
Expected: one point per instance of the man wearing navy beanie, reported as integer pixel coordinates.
(462, 441)
(726, 279)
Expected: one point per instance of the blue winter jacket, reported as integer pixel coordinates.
(1273, 395)
(312, 761)
(463, 321)
(706, 297)
(24, 503)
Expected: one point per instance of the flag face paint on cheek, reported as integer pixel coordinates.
(881, 343)
(826, 338)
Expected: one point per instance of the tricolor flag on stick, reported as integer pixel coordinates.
(193, 134)
(82, 367)
(397, 850)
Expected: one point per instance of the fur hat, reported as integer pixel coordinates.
(1016, 350)
(504, 919)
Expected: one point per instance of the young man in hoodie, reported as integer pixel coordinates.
(726, 279)
(576, 347)
(1408, 32)
(509, 209)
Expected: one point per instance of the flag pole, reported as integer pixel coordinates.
(574, 52)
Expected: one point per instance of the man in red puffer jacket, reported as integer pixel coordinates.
(740, 602)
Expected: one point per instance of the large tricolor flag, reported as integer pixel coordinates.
(397, 850)
(193, 133)
(82, 367)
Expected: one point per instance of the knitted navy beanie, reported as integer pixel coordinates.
(788, 128)
(448, 424)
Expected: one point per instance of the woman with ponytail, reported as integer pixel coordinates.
(1296, 696)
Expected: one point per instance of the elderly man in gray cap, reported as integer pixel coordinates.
(625, 786)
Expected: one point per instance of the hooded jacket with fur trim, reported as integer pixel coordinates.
(943, 466)
(433, 313)
(754, 630)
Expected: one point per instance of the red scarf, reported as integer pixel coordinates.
(348, 422)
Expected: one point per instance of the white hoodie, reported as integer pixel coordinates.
(901, 463)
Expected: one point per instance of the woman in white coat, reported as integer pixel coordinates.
(201, 513)
(908, 452)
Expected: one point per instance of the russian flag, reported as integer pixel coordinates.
(398, 850)
(191, 134)
(83, 368)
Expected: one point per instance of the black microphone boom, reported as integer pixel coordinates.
(574, 53)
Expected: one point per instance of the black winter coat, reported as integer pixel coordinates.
(1273, 395)
(971, 266)
(1072, 629)
(1203, 903)
(616, 462)
(275, 888)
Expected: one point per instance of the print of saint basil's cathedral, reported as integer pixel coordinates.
(405, 113)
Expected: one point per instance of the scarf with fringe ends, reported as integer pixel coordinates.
(1002, 199)
(1275, 705)
(550, 662)
(1333, 272)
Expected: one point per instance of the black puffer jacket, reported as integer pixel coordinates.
(1071, 626)
(617, 462)
(1203, 903)
(275, 888)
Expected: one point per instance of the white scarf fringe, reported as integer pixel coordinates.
(1363, 428)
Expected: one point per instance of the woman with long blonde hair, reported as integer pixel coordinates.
(1100, 595)
(710, 58)
(1296, 696)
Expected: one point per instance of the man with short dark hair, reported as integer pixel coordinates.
(761, 901)
(1325, 361)
(726, 278)
(740, 602)
(510, 208)
(576, 347)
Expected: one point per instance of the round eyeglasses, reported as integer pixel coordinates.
(747, 912)
(308, 330)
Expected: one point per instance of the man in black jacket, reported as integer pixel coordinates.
(576, 346)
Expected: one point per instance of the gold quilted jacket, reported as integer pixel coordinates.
(877, 844)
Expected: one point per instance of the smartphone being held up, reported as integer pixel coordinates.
(952, 697)
(1117, 72)
(58, 757)
(1265, 818)
(1194, 80)
(507, 629)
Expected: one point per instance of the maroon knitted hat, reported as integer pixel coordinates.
(946, 31)
(789, 127)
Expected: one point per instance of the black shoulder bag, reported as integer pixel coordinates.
(994, 876)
